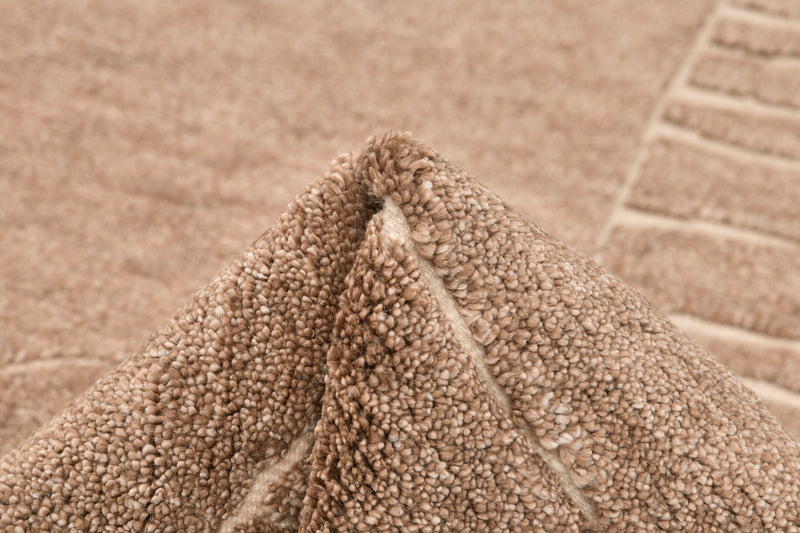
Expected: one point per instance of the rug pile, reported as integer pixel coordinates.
(404, 352)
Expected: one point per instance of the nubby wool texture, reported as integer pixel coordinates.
(404, 352)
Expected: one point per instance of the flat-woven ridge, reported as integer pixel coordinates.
(461, 370)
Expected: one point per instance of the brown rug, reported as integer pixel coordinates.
(404, 352)
(143, 145)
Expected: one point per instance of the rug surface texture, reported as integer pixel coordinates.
(402, 351)
(144, 144)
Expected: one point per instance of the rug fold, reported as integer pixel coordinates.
(404, 352)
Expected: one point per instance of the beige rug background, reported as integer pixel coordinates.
(144, 144)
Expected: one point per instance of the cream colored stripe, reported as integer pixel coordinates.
(396, 227)
(635, 218)
(762, 10)
(762, 18)
(692, 324)
(764, 389)
(50, 364)
(678, 81)
(251, 506)
(716, 100)
(773, 393)
(775, 60)
(691, 138)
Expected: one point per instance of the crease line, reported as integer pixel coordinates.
(396, 223)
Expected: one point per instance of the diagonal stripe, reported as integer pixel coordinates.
(396, 227)
(272, 472)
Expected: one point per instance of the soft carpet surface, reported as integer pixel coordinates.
(402, 351)
(144, 144)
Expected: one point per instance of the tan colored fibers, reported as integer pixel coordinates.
(395, 227)
(461, 370)
(251, 507)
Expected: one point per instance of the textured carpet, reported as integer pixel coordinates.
(403, 352)
(143, 146)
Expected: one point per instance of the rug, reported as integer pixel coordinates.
(144, 145)
(402, 351)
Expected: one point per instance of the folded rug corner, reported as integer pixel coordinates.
(404, 352)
